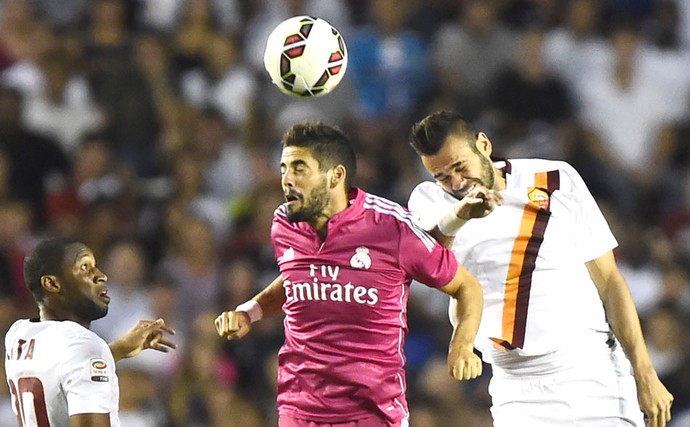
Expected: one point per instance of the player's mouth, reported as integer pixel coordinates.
(104, 296)
(461, 193)
(291, 197)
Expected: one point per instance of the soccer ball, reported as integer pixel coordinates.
(305, 56)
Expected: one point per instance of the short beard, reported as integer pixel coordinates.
(317, 201)
(89, 310)
(486, 178)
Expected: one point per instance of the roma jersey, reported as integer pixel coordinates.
(529, 256)
(56, 369)
(346, 309)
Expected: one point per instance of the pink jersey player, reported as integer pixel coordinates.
(347, 259)
(345, 314)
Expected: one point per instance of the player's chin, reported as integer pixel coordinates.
(293, 213)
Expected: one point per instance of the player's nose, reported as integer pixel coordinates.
(287, 181)
(458, 182)
(100, 276)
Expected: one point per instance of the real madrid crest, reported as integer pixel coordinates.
(539, 197)
(361, 258)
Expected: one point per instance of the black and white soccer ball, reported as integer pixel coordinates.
(305, 56)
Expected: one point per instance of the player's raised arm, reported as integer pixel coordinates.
(146, 334)
(235, 324)
(466, 312)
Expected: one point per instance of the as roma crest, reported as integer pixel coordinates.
(540, 198)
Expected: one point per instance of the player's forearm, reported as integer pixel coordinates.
(466, 311)
(117, 347)
(272, 298)
(623, 318)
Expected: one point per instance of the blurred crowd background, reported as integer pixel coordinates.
(150, 130)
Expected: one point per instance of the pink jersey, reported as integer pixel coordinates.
(346, 309)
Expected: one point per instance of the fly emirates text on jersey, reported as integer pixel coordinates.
(324, 287)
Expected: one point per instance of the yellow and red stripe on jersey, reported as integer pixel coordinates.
(523, 257)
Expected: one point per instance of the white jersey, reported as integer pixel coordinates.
(56, 369)
(529, 255)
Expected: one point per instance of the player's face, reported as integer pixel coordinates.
(83, 284)
(305, 188)
(457, 167)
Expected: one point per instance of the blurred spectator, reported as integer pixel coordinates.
(389, 64)
(204, 393)
(15, 26)
(662, 328)
(227, 163)
(664, 29)
(222, 81)
(193, 269)
(142, 405)
(577, 45)
(15, 240)
(527, 101)
(32, 160)
(62, 14)
(137, 96)
(469, 54)
(196, 24)
(639, 267)
(27, 40)
(624, 101)
(92, 179)
(63, 110)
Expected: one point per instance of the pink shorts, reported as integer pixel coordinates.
(373, 421)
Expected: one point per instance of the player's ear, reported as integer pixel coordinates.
(338, 175)
(50, 283)
(483, 144)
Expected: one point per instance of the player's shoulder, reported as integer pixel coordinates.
(61, 336)
(380, 206)
(538, 165)
(428, 192)
(383, 212)
(528, 168)
(426, 188)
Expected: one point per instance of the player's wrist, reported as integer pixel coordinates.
(450, 223)
(253, 310)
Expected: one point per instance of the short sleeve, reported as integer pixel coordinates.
(594, 236)
(428, 204)
(423, 258)
(88, 376)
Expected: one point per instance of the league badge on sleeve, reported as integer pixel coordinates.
(99, 370)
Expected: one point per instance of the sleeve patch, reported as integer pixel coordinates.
(99, 370)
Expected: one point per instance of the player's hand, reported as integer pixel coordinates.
(478, 203)
(233, 324)
(463, 363)
(655, 400)
(146, 334)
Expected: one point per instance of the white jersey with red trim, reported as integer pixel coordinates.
(56, 369)
(529, 255)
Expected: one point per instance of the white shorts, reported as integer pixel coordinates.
(601, 394)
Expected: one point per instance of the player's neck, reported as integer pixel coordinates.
(339, 202)
(499, 179)
(49, 313)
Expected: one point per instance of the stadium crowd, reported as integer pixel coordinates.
(149, 130)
